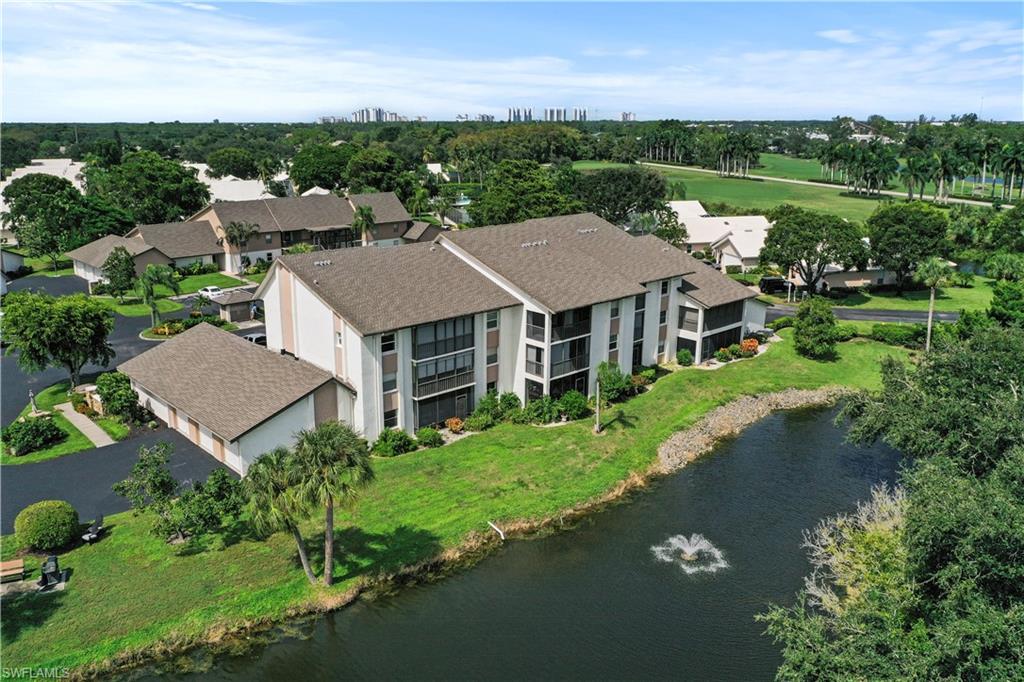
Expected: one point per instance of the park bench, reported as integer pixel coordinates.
(12, 570)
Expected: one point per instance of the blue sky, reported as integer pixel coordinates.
(287, 61)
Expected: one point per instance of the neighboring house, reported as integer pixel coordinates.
(176, 244)
(234, 306)
(10, 261)
(438, 170)
(232, 398)
(230, 188)
(728, 238)
(418, 333)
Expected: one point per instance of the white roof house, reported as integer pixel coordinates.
(741, 236)
(230, 188)
(61, 168)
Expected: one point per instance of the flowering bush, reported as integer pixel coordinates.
(723, 355)
(734, 350)
(454, 424)
(748, 346)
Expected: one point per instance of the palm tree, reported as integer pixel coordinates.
(199, 302)
(273, 503)
(238, 233)
(152, 276)
(333, 463)
(933, 273)
(364, 222)
(442, 203)
(419, 202)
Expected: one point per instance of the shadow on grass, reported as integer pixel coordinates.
(27, 611)
(358, 552)
(622, 419)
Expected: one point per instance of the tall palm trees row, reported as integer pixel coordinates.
(862, 167)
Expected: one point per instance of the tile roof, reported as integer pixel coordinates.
(386, 206)
(571, 261)
(180, 240)
(222, 381)
(316, 211)
(709, 287)
(95, 252)
(378, 289)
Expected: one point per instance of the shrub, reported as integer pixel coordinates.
(190, 322)
(543, 410)
(429, 438)
(684, 357)
(454, 424)
(1005, 266)
(1007, 305)
(518, 416)
(845, 332)
(509, 402)
(393, 442)
(815, 329)
(118, 396)
(32, 434)
(480, 422)
(489, 406)
(100, 289)
(906, 335)
(749, 344)
(723, 355)
(615, 384)
(963, 278)
(46, 525)
(733, 269)
(648, 375)
(734, 350)
(573, 405)
(781, 323)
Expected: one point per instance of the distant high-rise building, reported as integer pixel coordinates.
(627, 116)
(579, 113)
(520, 114)
(555, 114)
(485, 118)
(332, 119)
(378, 115)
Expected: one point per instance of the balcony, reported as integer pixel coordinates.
(573, 364)
(421, 389)
(569, 331)
(535, 368)
(535, 332)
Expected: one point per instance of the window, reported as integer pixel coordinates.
(664, 288)
(535, 324)
(638, 325)
(269, 238)
(534, 390)
(638, 354)
(443, 374)
(570, 323)
(688, 318)
(270, 257)
(570, 356)
(437, 410)
(493, 319)
(390, 419)
(439, 338)
(339, 339)
(492, 386)
(613, 342)
(390, 381)
(492, 356)
(615, 310)
(387, 343)
(572, 382)
(720, 340)
(723, 315)
(535, 360)
(640, 302)
(663, 317)
(661, 347)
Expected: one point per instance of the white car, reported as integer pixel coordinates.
(257, 338)
(211, 291)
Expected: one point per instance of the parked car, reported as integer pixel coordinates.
(770, 285)
(257, 338)
(211, 291)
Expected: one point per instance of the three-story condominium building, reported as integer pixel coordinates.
(415, 334)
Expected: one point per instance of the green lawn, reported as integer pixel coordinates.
(134, 307)
(257, 278)
(947, 299)
(193, 283)
(44, 266)
(131, 590)
(76, 440)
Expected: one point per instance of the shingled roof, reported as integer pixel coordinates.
(382, 289)
(95, 253)
(711, 288)
(571, 261)
(386, 206)
(222, 381)
(287, 213)
(180, 240)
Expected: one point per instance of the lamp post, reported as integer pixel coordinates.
(597, 408)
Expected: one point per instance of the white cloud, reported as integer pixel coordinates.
(840, 35)
(631, 53)
(200, 6)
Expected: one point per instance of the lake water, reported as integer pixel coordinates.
(612, 598)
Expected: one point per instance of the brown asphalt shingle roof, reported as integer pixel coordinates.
(316, 211)
(571, 261)
(421, 232)
(95, 252)
(180, 240)
(381, 289)
(222, 381)
(711, 288)
(386, 206)
(230, 297)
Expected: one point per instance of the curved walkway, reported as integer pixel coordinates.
(808, 183)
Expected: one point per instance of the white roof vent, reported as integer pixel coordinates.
(321, 263)
(539, 242)
(586, 230)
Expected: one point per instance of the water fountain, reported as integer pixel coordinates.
(693, 554)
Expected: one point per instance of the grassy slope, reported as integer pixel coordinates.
(947, 299)
(130, 589)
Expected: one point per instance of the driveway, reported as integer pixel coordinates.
(85, 478)
(868, 315)
(64, 285)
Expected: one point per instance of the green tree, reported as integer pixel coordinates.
(810, 242)
(519, 190)
(933, 273)
(333, 463)
(321, 165)
(28, 196)
(364, 222)
(1007, 306)
(1006, 266)
(44, 213)
(419, 202)
(118, 396)
(67, 331)
(119, 271)
(152, 277)
(814, 329)
(903, 235)
(150, 188)
(237, 234)
(271, 487)
(374, 169)
(616, 193)
(232, 161)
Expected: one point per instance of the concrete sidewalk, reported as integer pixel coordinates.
(87, 426)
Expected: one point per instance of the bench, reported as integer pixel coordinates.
(12, 570)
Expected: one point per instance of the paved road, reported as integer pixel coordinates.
(808, 183)
(908, 316)
(85, 478)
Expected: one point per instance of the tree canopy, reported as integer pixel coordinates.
(810, 241)
(321, 165)
(519, 190)
(616, 193)
(232, 161)
(904, 234)
(150, 188)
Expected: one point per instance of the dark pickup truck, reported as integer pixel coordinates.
(770, 285)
